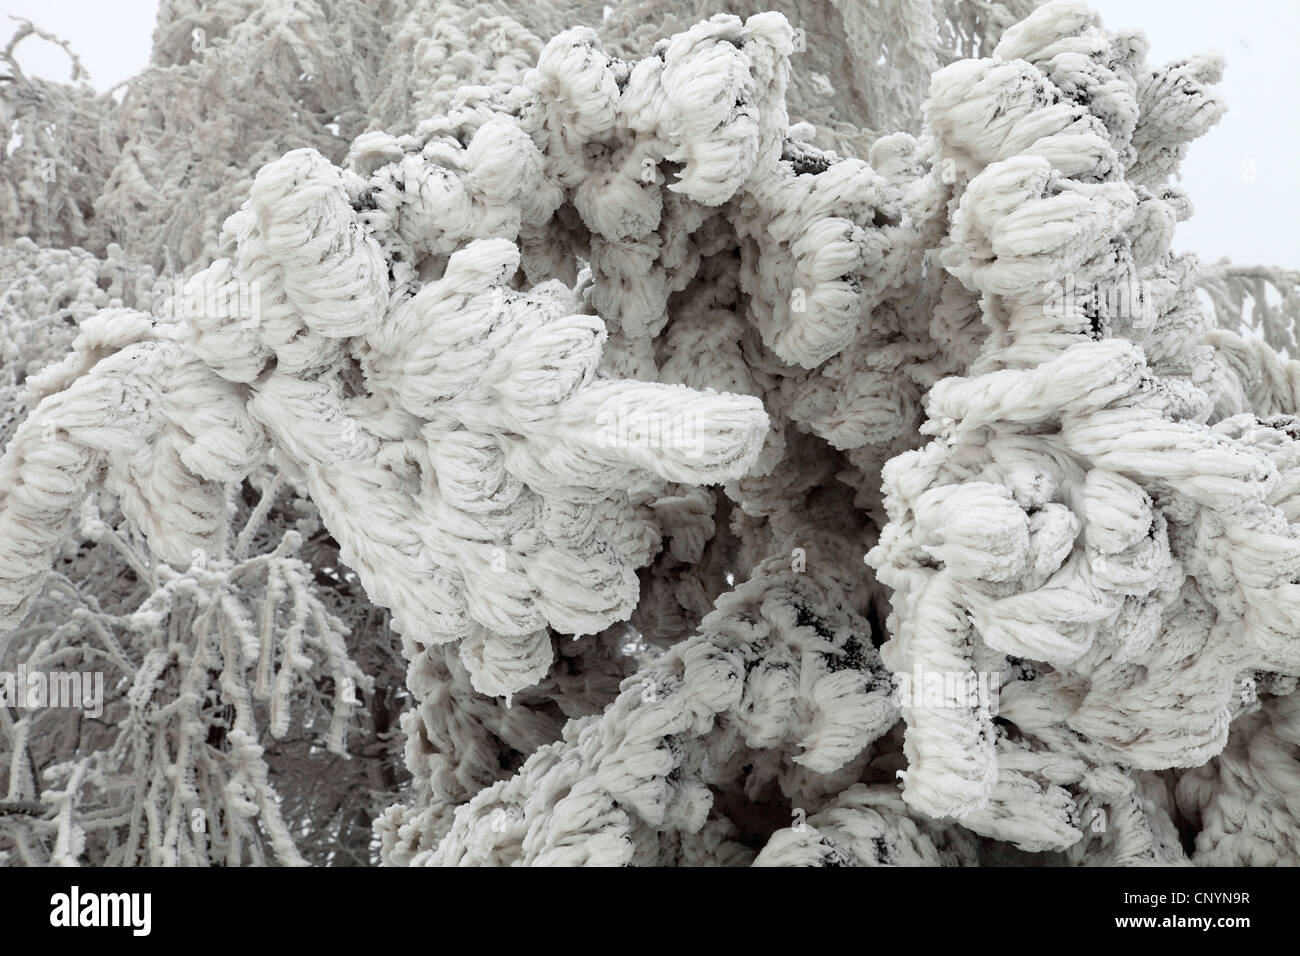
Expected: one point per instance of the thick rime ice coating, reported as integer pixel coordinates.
(147, 421)
(747, 484)
(466, 414)
(1080, 508)
(522, 468)
(769, 694)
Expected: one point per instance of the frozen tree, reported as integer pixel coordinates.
(570, 433)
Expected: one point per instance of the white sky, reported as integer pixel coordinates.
(1251, 221)
(1242, 176)
(110, 36)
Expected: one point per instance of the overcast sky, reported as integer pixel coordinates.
(1241, 176)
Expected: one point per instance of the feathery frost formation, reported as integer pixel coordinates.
(779, 439)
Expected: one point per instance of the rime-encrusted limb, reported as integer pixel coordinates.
(869, 826)
(497, 509)
(495, 512)
(770, 694)
(1230, 286)
(148, 421)
(455, 735)
(1080, 508)
(1244, 802)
